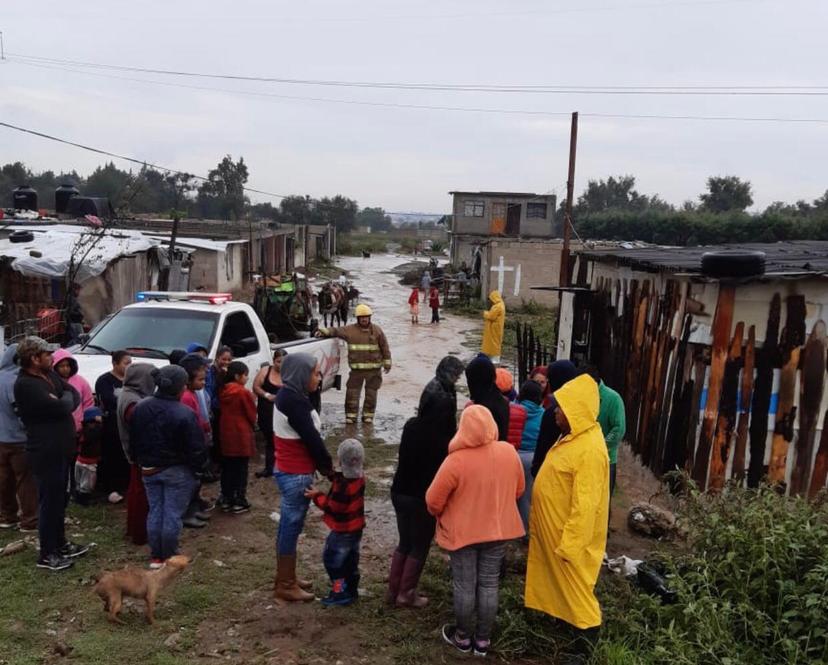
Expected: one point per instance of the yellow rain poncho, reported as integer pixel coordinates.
(570, 506)
(494, 321)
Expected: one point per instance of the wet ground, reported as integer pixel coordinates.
(415, 349)
(225, 606)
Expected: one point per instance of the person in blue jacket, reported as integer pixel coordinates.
(530, 398)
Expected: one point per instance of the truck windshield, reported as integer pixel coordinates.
(153, 331)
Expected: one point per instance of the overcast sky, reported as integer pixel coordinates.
(408, 159)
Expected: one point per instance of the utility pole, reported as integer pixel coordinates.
(2, 47)
(570, 187)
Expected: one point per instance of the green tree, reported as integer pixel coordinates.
(339, 211)
(221, 196)
(615, 193)
(111, 182)
(297, 210)
(374, 218)
(727, 193)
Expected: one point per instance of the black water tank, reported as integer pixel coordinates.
(62, 195)
(24, 198)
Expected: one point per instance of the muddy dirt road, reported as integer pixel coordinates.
(415, 350)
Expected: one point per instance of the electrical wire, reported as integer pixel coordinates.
(430, 107)
(551, 89)
(100, 151)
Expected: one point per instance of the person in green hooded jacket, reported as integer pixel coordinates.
(612, 418)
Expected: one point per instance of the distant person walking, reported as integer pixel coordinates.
(568, 521)
(45, 403)
(494, 323)
(425, 284)
(434, 303)
(414, 305)
(18, 492)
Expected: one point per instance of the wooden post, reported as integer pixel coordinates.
(570, 187)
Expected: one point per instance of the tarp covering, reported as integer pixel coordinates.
(54, 247)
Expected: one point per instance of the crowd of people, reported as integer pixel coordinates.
(534, 465)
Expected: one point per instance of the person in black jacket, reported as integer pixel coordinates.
(45, 403)
(481, 375)
(423, 447)
(558, 373)
(168, 444)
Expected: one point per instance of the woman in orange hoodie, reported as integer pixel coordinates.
(473, 496)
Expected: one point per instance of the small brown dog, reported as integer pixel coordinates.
(137, 583)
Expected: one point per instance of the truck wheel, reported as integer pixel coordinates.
(733, 263)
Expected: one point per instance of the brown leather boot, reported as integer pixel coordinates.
(286, 587)
(307, 585)
(408, 596)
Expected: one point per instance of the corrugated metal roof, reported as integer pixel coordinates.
(801, 257)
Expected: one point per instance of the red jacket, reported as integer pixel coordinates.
(433, 298)
(414, 298)
(236, 422)
(517, 421)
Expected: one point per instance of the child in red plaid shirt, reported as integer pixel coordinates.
(344, 512)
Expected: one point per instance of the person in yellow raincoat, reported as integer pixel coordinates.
(568, 522)
(494, 321)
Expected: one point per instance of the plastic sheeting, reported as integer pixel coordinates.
(50, 253)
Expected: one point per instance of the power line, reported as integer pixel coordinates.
(432, 107)
(550, 89)
(166, 169)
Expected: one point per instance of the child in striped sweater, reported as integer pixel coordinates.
(343, 510)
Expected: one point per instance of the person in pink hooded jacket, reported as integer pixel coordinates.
(67, 367)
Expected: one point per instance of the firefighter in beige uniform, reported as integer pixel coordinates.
(368, 355)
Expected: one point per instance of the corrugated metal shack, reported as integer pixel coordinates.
(724, 378)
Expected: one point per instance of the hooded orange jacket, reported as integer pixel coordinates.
(474, 494)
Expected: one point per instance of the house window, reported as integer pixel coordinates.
(536, 211)
(474, 208)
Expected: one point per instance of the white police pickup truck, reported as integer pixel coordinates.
(162, 321)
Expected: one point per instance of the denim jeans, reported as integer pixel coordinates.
(169, 493)
(341, 558)
(292, 509)
(475, 573)
(525, 501)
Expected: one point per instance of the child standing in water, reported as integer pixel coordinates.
(414, 305)
(434, 303)
(344, 513)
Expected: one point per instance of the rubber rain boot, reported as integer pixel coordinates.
(395, 576)
(408, 596)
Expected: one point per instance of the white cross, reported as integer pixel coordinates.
(500, 269)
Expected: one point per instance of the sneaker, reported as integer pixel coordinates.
(201, 515)
(481, 647)
(339, 596)
(155, 564)
(240, 506)
(54, 562)
(224, 504)
(450, 637)
(72, 550)
(23, 529)
(368, 420)
(8, 525)
(115, 497)
(350, 421)
(193, 522)
(205, 505)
